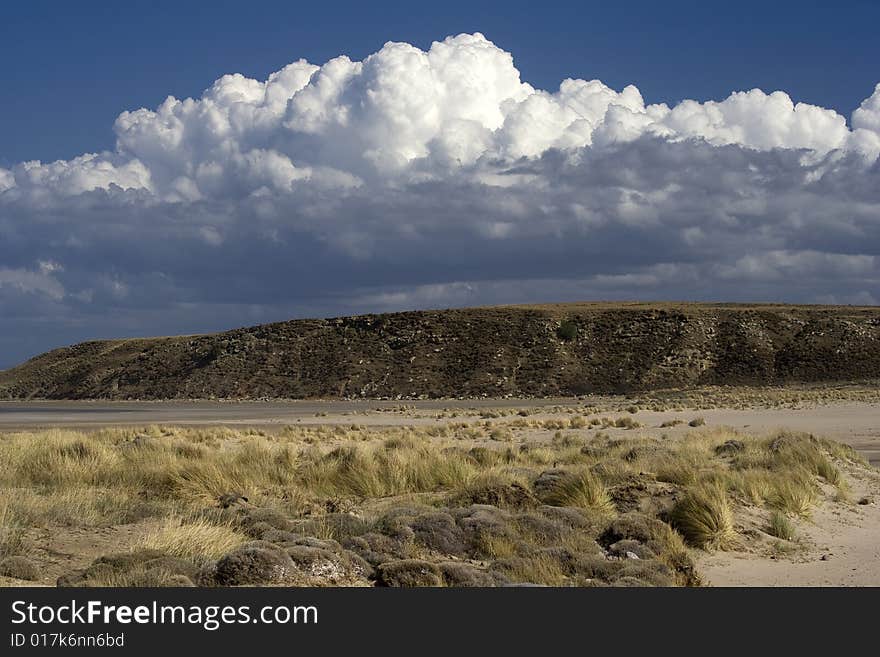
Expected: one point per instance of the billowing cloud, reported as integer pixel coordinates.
(436, 178)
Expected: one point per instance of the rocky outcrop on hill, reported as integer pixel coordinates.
(503, 351)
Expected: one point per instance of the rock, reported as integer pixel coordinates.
(730, 447)
(227, 500)
(20, 568)
(460, 574)
(279, 536)
(337, 567)
(374, 548)
(548, 481)
(512, 495)
(254, 565)
(438, 531)
(630, 549)
(481, 522)
(408, 573)
(257, 521)
(634, 526)
(319, 543)
(318, 563)
(648, 572)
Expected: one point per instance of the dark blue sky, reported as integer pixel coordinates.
(70, 68)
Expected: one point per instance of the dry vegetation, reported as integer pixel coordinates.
(458, 504)
(522, 351)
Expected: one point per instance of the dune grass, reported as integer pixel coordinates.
(196, 539)
(583, 490)
(780, 526)
(179, 475)
(704, 517)
(11, 532)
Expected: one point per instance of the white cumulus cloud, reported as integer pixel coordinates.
(424, 177)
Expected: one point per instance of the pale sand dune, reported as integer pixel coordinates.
(842, 548)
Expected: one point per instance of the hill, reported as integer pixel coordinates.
(526, 351)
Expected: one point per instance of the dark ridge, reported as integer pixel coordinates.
(523, 351)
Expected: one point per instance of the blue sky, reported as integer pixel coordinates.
(70, 68)
(495, 153)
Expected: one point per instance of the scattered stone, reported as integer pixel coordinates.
(231, 499)
(408, 572)
(730, 447)
(548, 481)
(254, 565)
(513, 495)
(438, 531)
(465, 575)
(634, 526)
(263, 519)
(279, 536)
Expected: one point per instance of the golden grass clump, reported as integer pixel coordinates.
(196, 539)
(780, 526)
(752, 486)
(375, 472)
(794, 493)
(704, 517)
(583, 490)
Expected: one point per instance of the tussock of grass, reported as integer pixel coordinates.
(195, 539)
(753, 486)
(369, 472)
(829, 472)
(780, 526)
(11, 532)
(795, 494)
(704, 517)
(583, 490)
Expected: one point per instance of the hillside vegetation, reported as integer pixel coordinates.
(524, 351)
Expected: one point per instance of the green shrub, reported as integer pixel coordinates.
(567, 331)
(780, 526)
